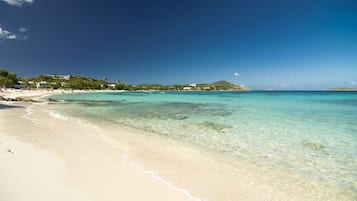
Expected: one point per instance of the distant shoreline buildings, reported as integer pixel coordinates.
(59, 76)
(62, 81)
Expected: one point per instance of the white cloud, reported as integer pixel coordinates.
(236, 74)
(18, 2)
(351, 82)
(7, 35)
(4, 34)
(12, 37)
(22, 29)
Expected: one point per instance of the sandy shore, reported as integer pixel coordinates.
(44, 158)
(36, 94)
(28, 94)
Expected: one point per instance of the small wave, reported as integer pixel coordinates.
(57, 115)
(79, 121)
(28, 115)
(154, 176)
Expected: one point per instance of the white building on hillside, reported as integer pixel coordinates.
(111, 85)
(42, 84)
(60, 76)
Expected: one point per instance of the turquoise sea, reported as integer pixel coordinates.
(313, 134)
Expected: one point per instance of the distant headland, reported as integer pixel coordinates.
(61, 81)
(343, 89)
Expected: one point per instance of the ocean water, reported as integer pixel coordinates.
(312, 134)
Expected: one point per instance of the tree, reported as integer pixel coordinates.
(3, 73)
(7, 79)
(56, 85)
(128, 87)
(12, 76)
(6, 82)
(119, 86)
(43, 78)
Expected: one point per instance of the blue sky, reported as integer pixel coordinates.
(280, 44)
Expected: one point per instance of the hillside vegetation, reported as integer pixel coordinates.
(10, 80)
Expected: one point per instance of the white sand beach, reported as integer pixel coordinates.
(45, 156)
(54, 160)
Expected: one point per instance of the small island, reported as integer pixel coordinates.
(343, 89)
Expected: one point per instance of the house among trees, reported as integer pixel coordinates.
(60, 81)
(112, 85)
(59, 76)
(19, 85)
(42, 84)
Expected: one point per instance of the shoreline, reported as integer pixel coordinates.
(37, 94)
(158, 165)
(78, 164)
(180, 169)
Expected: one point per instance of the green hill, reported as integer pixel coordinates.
(224, 85)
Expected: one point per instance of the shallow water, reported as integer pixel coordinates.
(312, 134)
